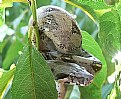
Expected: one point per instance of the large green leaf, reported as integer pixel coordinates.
(110, 35)
(33, 78)
(5, 80)
(110, 32)
(93, 91)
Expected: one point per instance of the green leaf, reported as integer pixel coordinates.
(12, 53)
(93, 91)
(2, 16)
(5, 4)
(110, 36)
(119, 9)
(8, 93)
(5, 79)
(9, 3)
(25, 1)
(16, 22)
(85, 8)
(43, 2)
(110, 32)
(33, 78)
(96, 5)
(3, 44)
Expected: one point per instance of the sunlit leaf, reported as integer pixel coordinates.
(5, 79)
(96, 5)
(20, 1)
(7, 95)
(85, 8)
(5, 3)
(110, 32)
(2, 16)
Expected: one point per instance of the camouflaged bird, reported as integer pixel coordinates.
(61, 46)
(58, 27)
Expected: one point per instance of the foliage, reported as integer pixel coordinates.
(33, 78)
(5, 79)
(100, 19)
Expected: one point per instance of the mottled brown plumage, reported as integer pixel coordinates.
(61, 46)
(58, 27)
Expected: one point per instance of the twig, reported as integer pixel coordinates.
(32, 4)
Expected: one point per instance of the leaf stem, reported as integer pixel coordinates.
(32, 4)
(29, 34)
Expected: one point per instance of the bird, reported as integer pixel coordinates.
(58, 30)
(61, 41)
